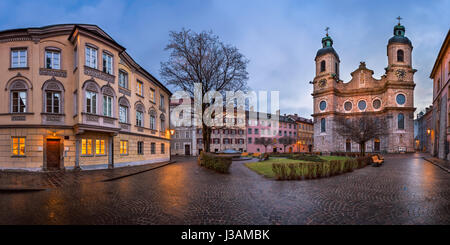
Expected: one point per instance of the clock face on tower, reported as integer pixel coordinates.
(322, 83)
(400, 74)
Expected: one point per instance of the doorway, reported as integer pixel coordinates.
(348, 145)
(376, 145)
(275, 149)
(187, 150)
(53, 154)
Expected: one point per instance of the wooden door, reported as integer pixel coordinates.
(53, 154)
(187, 150)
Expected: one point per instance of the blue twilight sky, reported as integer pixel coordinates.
(279, 37)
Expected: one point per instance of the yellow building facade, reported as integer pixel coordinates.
(72, 97)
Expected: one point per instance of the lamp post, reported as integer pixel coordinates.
(171, 132)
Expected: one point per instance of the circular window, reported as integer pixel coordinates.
(323, 105)
(401, 99)
(376, 104)
(362, 105)
(348, 106)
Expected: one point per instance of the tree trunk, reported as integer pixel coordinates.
(206, 133)
(362, 148)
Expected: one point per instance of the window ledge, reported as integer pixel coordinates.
(139, 95)
(18, 68)
(16, 156)
(54, 114)
(17, 113)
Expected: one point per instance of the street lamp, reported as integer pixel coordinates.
(428, 131)
(172, 132)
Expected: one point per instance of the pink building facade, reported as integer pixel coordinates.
(266, 126)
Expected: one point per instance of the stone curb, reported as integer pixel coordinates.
(135, 173)
(432, 162)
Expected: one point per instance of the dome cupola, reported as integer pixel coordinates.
(327, 46)
(399, 34)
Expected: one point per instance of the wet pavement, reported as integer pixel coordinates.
(405, 190)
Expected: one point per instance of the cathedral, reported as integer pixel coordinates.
(391, 97)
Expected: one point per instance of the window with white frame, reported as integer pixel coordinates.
(163, 123)
(53, 102)
(19, 101)
(18, 146)
(53, 59)
(107, 63)
(123, 114)
(123, 79)
(18, 58)
(107, 105)
(100, 147)
(91, 102)
(152, 120)
(139, 118)
(161, 101)
(91, 57)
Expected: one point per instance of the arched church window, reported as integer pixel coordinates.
(322, 66)
(322, 125)
(401, 121)
(400, 55)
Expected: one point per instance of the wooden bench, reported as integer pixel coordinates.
(376, 162)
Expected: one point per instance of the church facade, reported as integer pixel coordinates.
(390, 97)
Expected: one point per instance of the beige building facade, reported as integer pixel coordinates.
(391, 97)
(73, 98)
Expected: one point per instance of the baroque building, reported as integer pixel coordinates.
(391, 97)
(73, 97)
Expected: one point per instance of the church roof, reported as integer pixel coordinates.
(400, 39)
(327, 50)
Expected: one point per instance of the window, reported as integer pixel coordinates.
(53, 102)
(52, 59)
(152, 95)
(163, 123)
(91, 57)
(123, 79)
(163, 148)
(322, 105)
(188, 135)
(322, 125)
(139, 88)
(153, 148)
(362, 105)
(107, 105)
(19, 101)
(140, 147)
(123, 114)
(376, 104)
(152, 120)
(91, 102)
(322, 66)
(348, 106)
(336, 69)
(401, 99)
(100, 147)
(18, 58)
(86, 147)
(249, 140)
(123, 147)
(256, 131)
(18, 146)
(161, 102)
(400, 55)
(401, 121)
(139, 118)
(107, 63)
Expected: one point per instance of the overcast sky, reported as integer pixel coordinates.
(280, 38)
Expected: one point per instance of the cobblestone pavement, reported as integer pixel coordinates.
(444, 164)
(23, 179)
(405, 190)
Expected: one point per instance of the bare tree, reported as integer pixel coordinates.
(203, 58)
(361, 129)
(286, 141)
(265, 141)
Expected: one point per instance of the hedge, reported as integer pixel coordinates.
(215, 162)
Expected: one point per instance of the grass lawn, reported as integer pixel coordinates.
(265, 168)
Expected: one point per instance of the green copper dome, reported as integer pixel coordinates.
(327, 47)
(399, 35)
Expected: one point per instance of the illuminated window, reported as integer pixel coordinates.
(100, 147)
(152, 95)
(18, 146)
(139, 88)
(86, 147)
(124, 147)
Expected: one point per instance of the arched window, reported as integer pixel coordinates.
(108, 100)
(124, 106)
(401, 121)
(163, 123)
(322, 125)
(139, 114)
(91, 90)
(322, 66)
(53, 97)
(18, 96)
(400, 55)
(152, 119)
